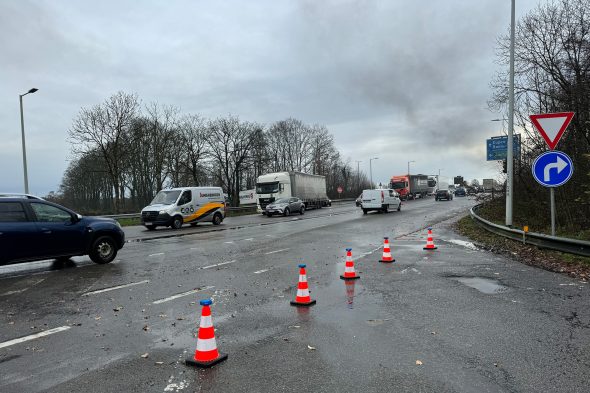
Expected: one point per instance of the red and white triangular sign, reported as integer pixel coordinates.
(552, 125)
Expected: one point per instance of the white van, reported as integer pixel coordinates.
(184, 205)
(381, 200)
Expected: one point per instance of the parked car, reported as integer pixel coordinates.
(34, 229)
(358, 200)
(285, 206)
(460, 192)
(380, 200)
(443, 194)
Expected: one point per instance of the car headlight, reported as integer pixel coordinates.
(162, 212)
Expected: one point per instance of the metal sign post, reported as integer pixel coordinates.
(552, 169)
(552, 193)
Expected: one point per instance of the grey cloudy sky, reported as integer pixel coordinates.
(397, 79)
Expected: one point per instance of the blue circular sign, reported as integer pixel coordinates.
(553, 168)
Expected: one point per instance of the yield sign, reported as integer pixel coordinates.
(552, 125)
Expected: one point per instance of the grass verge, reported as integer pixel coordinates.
(555, 261)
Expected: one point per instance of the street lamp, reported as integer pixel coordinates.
(22, 129)
(509, 150)
(358, 175)
(371, 169)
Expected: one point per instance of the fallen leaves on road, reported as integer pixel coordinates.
(97, 318)
(145, 355)
(118, 308)
(310, 348)
(146, 328)
(159, 363)
(418, 362)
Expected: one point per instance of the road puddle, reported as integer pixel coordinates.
(484, 285)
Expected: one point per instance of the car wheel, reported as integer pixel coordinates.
(385, 209)
(399, 207)
(302, 210)
(103, 250)
(286, 212)
(194, 224)
(177, 222)
(151, 227)
(217, 219)
(364, 211)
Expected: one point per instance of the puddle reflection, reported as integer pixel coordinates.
(349, 285)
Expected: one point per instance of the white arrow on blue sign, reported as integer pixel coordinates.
(553, 168)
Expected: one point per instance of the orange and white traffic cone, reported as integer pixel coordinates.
(302, 298)
(429, 242)
(206, 354)
(386, 258)
(349, 273)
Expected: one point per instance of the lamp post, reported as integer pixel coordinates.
(22, 129)
(510, 152)
(358, 175)
(371, 169)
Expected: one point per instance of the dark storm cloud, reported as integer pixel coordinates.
(401, 79)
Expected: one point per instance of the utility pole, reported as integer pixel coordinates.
(22, 130)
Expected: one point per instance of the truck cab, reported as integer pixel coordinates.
(272, 187)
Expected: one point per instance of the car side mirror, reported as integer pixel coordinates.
(76, 218)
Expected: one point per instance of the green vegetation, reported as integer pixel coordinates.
(574, 265)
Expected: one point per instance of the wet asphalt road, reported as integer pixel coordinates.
(529, 333)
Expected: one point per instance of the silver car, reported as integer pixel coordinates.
(285, 206)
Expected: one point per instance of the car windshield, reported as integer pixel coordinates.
(282, 200)
(166, 197)
(398, 184)
(267, 188)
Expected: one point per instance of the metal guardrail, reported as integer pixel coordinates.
(563, 244)
(231, 209)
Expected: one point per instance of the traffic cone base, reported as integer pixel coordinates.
(302, 304)
(430, 248)
(387, 261)
(210, 363)
(342, 276)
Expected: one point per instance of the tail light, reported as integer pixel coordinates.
(382, 197)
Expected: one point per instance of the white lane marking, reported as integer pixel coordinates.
(13, 292)
(403, 271)
(416, 271)
(218, 264)
(261, 271)
(274, 252)
(229, 242)
(249, 240)
(33, 336)
(178, 295)
(156, 254)
(116, 287)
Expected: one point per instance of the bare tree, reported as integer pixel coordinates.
(105, 128)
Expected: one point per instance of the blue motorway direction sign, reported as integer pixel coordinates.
(497, 147)
(553, 168)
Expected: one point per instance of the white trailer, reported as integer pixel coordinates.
(311, 189)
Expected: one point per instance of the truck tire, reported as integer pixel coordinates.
(385, 209)
(364, 211)
(104, 250)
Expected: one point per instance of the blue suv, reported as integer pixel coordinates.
(33, 229)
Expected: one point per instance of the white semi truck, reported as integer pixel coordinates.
(311, 189)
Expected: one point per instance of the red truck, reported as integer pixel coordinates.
(411, 186)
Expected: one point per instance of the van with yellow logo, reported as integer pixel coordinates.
(185, 205)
